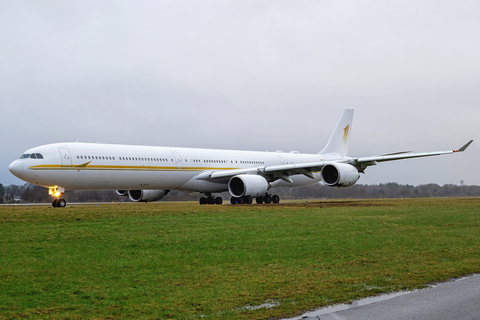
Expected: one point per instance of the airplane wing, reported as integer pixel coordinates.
(274, 172)
(408, 155)
(283, 172)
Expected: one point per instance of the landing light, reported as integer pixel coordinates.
(56, 192)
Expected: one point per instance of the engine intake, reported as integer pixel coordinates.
(339, 175)
(122, 192)
(146, 195)
(247, 185)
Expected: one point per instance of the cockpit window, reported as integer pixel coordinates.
(32, 156)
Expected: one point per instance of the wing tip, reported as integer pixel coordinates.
(464, 147)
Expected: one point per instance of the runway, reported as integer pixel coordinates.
(457, 299)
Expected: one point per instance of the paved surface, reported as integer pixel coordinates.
(458, 299)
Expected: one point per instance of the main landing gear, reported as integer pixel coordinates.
(59, 203)
(209, 199)
(262, 199)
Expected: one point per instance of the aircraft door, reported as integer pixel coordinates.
(178, 160)
(65, 156)
(281, 160)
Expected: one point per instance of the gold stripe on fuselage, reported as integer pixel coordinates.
(120, 168)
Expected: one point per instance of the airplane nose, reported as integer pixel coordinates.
(16, 168)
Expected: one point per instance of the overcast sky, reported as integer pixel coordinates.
(250, 75)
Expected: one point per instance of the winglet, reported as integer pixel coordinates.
(465, 146)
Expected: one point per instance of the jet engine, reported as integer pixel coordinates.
(122, 192)
(146, 195)
(339, 175)
(247, 185)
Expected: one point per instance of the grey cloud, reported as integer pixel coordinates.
(245, 75)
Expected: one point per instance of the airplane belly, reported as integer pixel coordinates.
(194, 185)
(78, 179)
(48, 178)
(115, 180)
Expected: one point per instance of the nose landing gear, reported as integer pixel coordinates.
(59, 203)
(57, 192)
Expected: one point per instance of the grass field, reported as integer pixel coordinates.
(186, 261)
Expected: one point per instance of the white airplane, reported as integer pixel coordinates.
(145, 173)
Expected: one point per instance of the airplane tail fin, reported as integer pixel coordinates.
(340, 138)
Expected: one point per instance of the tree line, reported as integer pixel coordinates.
(29, 193)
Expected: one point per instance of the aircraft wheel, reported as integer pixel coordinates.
(259, 200)
(248, 200)
(235, 200)
(210, 200)
(203, 200)
(275, 198)
(267, 199)
(62, 203)
(218, 200)
(55, 203)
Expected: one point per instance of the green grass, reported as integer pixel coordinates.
(186, 261)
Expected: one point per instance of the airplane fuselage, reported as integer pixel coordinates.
(147, 173)
(98, 166)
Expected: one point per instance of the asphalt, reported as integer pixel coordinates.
(457, 299)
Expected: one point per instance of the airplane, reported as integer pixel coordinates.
(148, 173)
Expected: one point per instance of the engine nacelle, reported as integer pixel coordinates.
(147, 195)
(122, 192)
(247, 185)
(339, 175)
